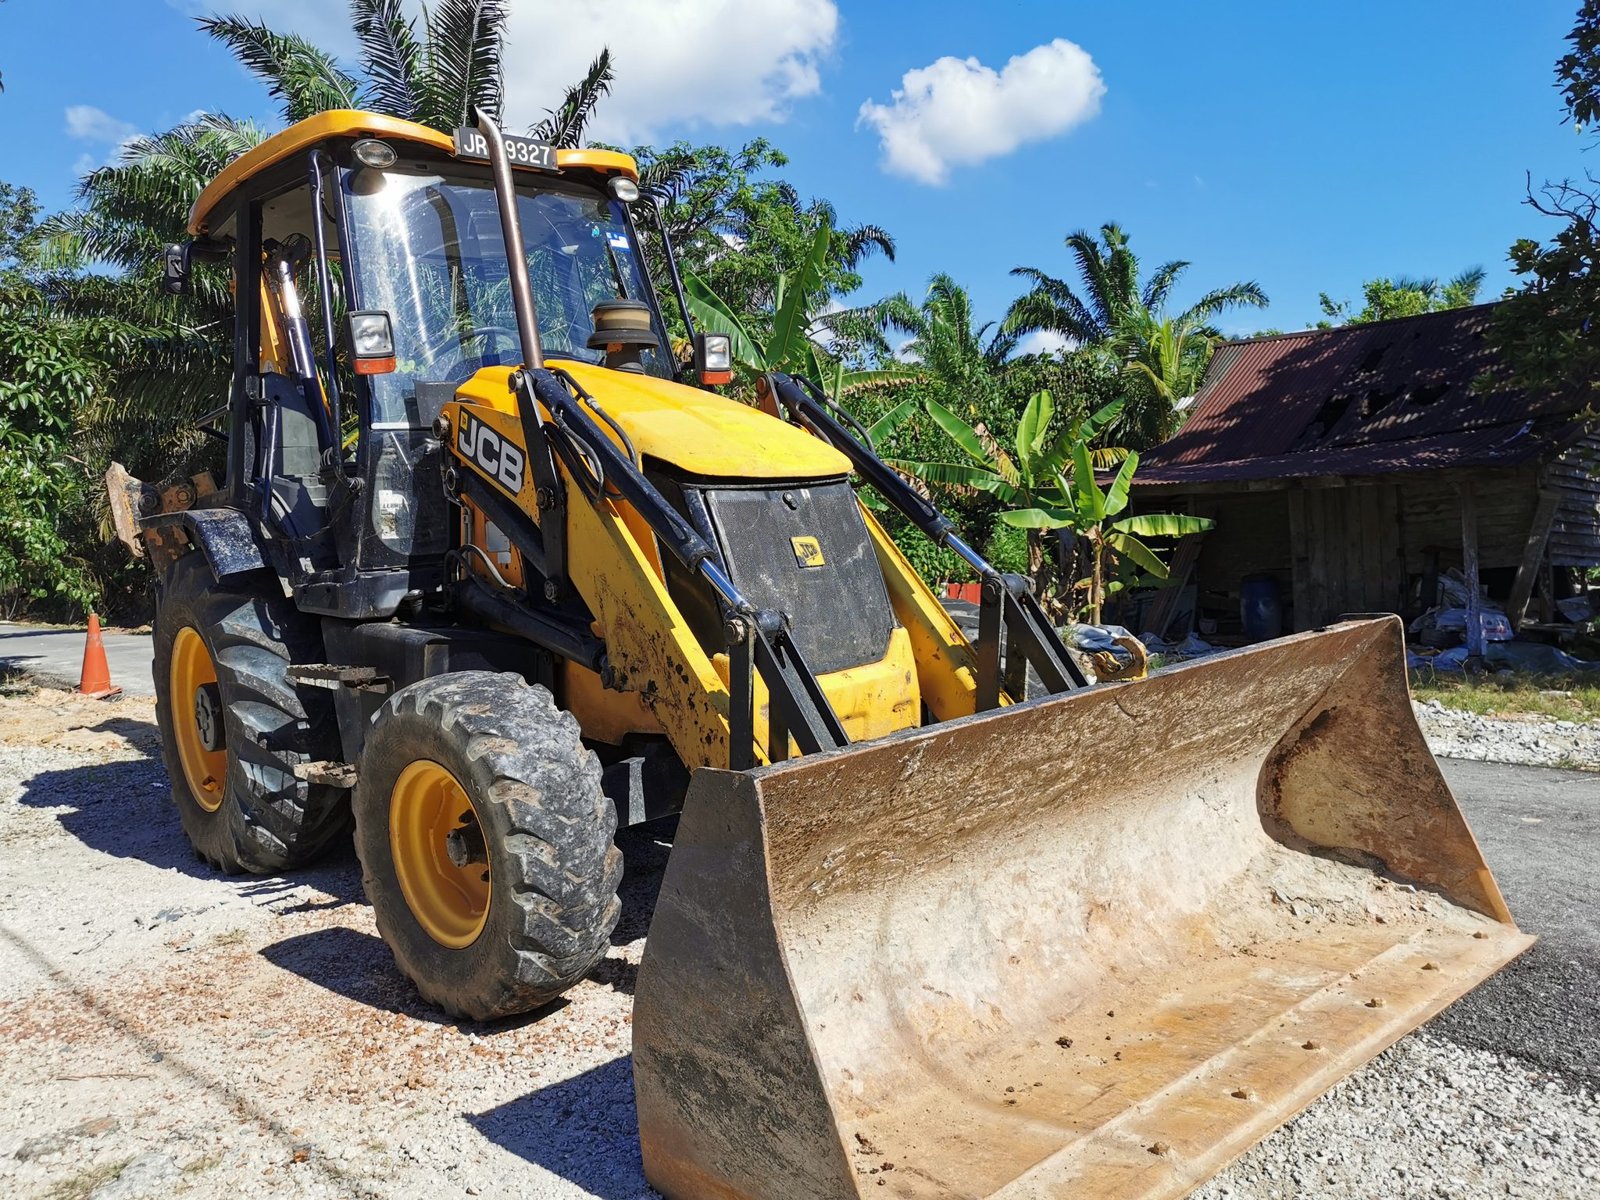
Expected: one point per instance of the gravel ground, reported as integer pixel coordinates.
(168, 1032)
(1533, 743)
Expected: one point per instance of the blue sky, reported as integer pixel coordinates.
(1305, 146)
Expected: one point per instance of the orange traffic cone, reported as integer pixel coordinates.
(95, 679)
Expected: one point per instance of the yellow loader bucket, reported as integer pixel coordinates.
(1091, 946)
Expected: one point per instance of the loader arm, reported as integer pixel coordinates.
(648, 647)
(728, 678)
(1008, 610)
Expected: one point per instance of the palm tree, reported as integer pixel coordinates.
(170, 354)
(1117, 316)
(943, 337)
(435, 75)
(1112, 294)
(1169, 357)
(1460, 291)
(793, 335)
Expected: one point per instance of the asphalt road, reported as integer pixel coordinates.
(55, 656)
(1540, 832)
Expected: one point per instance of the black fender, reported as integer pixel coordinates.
(223, 535)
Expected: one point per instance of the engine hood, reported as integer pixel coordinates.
(698, 432)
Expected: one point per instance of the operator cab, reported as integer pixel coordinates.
(376, 282)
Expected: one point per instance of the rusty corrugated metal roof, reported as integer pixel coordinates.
(1372, 399)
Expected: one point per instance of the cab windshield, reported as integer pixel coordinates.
(428, 249)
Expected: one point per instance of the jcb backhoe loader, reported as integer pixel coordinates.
(491, 570)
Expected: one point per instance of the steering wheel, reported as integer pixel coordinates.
(453, 340)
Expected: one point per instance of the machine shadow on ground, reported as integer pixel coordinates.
(572, 1128)
(358, 966)
(355, 965)
(124, 809)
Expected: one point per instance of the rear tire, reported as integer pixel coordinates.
(482, 763)
(241, 806)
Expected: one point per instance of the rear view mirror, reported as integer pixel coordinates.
(175, 269)
(713, 358)
(178, 259)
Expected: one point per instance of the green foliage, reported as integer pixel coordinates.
(1546, 333)
(168, 357)
(1046, 482)
(46, 369)
(784, 339)
(1169, 357)
(1165, 356)
(566, 122)
(1386, 299)
(971, 372)
(435, 76)
(41, 570)
(737, 228)
(1007, 549)
(304, 79)
(435, 73)
(1578, 71)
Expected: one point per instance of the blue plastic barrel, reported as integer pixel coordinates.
(1261, 607)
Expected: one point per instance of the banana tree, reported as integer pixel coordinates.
(1021, 476)
(786, 339)
(1048, 483)
(1077, 502)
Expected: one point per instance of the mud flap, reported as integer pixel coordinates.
(1096, 945)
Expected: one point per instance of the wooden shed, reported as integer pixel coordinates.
(1354, 465)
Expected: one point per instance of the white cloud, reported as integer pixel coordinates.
(958, 112)
(1043, 341)
(678, 62)
(91, 124)
(87, 123)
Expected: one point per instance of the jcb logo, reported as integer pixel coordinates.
(808, 552)
(499, 459)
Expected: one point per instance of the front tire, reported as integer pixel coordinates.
(486, 843)
(233, 726)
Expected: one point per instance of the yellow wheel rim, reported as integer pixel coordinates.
(427, 805)
(205, 771)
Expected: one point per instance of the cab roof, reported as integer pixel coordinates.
(338, 123)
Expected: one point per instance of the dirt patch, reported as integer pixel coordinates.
(244, 1037)
(255, 1031)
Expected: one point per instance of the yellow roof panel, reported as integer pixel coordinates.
(349, 123)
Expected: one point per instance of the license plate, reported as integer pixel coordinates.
(523, 152)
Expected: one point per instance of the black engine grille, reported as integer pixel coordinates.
(799, 549)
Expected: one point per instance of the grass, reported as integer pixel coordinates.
(80, 1185)
(1552, 697)
(15, 683)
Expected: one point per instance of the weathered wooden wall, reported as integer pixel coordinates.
(1251, 538)
(1347, 552)
(1575, 535)
(1430, 517)
(1360, 548)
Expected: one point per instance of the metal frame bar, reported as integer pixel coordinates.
(319, 158)
(1009, 615)
(796, 699)
(246, 333)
